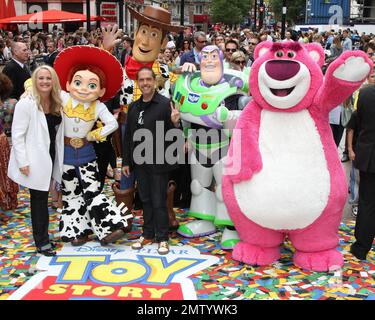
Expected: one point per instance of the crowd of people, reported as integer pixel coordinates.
(43, 46)
(23, 55)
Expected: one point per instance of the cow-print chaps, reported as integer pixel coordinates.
(85, 209)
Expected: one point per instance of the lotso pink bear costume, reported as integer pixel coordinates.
(283, 175)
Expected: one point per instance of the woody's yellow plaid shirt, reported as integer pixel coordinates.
(137, 92)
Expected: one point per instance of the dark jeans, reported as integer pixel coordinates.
(337, 131)
(40, 218)
(105, 155)
(152, 190)
(365, 222)
(182, 177)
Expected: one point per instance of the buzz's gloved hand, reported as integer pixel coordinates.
(222, 114)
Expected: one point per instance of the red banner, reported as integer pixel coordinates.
(11, 11)
(2, 9)
(7, 9)
(49, 289)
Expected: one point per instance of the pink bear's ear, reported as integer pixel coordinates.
(316, 52)
(262, 48)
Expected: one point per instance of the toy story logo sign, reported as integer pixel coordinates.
(115, 272)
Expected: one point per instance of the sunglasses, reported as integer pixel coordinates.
(239, 62)
(253, 43)
(371, 54)
(231, 50)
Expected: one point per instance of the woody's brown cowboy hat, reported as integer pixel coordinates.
(155, 16)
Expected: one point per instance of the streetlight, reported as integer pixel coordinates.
(308, 11)
(88, 15)
(261, 14)
(283, 20)
(121, 13)
(182, 12)
(255, 16)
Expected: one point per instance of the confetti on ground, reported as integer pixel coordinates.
(228, 280)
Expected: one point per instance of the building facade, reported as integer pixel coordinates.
(195, 11)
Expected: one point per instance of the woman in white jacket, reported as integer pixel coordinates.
(34, 129)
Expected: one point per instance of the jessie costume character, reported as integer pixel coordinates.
(149, 38)
(91, 76)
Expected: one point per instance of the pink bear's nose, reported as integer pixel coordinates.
(282, 69)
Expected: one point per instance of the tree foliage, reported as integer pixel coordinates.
(295, 10)
(230, 13)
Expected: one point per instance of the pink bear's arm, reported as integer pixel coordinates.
(244, 158)
(343, 77)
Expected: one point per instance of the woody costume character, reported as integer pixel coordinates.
(84, 72)
(149, 38)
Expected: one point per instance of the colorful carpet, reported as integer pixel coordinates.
(226, 280)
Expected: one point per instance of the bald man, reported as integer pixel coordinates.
(16, 69)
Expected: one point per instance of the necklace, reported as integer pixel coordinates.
(46, 107)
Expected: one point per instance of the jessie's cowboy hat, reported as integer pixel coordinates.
(87, 55)
(155, 16)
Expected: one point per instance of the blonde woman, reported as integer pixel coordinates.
(34, 128)
(238, 61)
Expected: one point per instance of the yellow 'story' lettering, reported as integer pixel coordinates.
(57, 289)
(157, 293)
(130, 292)
(78, 289)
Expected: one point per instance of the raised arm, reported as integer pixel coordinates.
(111, 35)
(343, 77)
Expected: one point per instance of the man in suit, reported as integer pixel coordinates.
(52, 53)
(364, 161)
(16, 69)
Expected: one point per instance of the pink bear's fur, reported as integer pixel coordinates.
(315, 244)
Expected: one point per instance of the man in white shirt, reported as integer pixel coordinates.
(7, 52)
(288, 37)
(347, 42)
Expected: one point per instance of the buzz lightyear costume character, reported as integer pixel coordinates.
(210, 102)
(90, 75)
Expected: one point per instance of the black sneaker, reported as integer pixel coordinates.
(47, 252)
(53, 244)
(355, 253)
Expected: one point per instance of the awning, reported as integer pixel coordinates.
(7, 9)
(49, 16)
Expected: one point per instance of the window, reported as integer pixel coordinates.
(198, 9)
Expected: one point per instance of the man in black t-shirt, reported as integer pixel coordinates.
(144, 114)
(352, 135)
(365, 162)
